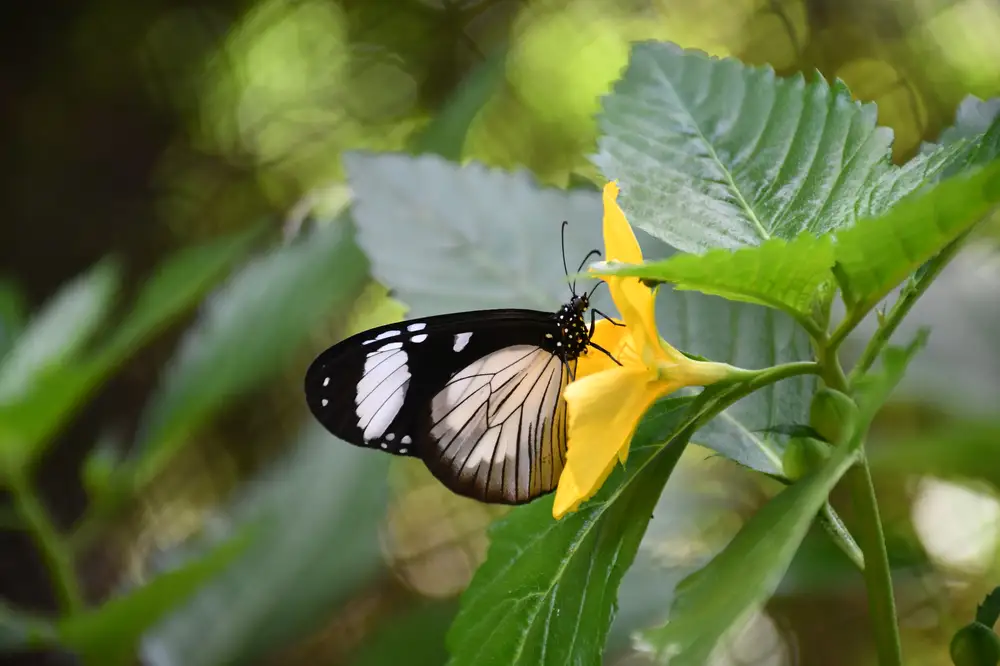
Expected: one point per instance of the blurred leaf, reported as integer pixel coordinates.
(965, 450)
(12, 316)
(317, 515)
(447, 238)
(877, 254)
(248, 331)
(52, 398)
(109, 634)
(547, 591)
(20, 630)
(445, 134)
(778, 274)
(973, 117)
(175, 286)
(60, 330)
(973, 140)
(415, 637)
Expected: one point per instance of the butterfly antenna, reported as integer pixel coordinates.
(572, 286)
(590, 296)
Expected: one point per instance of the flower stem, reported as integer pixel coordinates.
(878, 575)
(902, 307)
(53, 549)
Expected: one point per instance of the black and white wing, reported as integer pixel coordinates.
(476, 395)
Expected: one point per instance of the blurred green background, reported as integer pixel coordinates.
(138, 129)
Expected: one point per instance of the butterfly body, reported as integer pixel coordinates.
(476, 395)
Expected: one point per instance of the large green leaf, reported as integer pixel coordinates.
(315, 518)
(710, 152)
(446, 238)
(747, 572)
(250, 329)
(877, 254)
(108, 635)
(778, 274)
(546, 593)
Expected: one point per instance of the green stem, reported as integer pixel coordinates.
(902, 307)
(878, 576)
(53, 549)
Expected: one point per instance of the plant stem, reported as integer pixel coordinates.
(878, 576)
(54, 551)
(902, 307)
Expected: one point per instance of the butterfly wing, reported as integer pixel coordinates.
(475, 395)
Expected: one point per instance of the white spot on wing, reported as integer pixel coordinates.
(390, 437)
(382, 389)
(326, 382)
(406, 439)
(419, 326)
(419, 338)
(461, 340)
(324, 402)
(386, 334)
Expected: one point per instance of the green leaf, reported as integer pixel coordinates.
(746, 573)
(546, 593)
(778, 274)
(249, 330)
(59, 331)
(447, 238)
(712, 153)
(446, 132)
(877, 254)
(317, 514)
(109, 634)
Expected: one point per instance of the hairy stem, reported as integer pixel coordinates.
(902, 307)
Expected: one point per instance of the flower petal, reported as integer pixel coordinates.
(619, 241)
(608, 336)
(634, 301)
(604, 410)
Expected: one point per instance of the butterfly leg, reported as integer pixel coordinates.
(604, 351)
(594, 312)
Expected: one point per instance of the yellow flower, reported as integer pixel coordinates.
(606, 400)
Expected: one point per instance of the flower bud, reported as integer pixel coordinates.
(833, 415)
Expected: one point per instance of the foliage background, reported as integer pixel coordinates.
(141, 128)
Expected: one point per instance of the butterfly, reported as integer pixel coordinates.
(477, 396)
